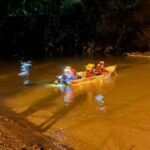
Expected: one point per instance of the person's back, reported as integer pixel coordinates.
(89, 73)
(100, 69)
(89, 70)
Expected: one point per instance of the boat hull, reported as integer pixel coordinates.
(111, 70)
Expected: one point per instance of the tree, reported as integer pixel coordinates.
(33, 24)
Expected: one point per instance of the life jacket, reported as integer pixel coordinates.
(73, 73)
(100, 70)
(89, 73)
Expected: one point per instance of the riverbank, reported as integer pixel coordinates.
(18, 134)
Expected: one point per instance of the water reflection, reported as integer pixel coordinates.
(71, 93)
(68, 94)
(100, 99)
(24, 71)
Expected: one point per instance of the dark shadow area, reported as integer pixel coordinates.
(41, 104)
(61, 113)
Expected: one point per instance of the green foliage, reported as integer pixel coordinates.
(22, 7)
(63, 22)
(66, 4)
(120, 4)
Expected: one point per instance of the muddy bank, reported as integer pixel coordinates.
(17, 134)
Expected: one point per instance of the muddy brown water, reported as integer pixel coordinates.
(110, 115)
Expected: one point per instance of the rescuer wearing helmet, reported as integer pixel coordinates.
(69, 74)
(100, 69)
(89, 70)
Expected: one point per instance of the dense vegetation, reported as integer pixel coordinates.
(57, 27)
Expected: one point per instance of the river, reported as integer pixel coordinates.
(110, 115)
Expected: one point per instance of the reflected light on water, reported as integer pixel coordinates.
(68, 95)
(100, 99)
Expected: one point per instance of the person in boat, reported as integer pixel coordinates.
(69, 74)
(100, 69)
(89, 70)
